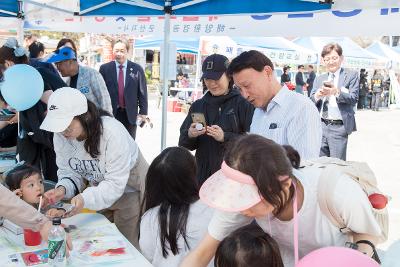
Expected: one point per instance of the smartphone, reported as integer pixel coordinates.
(199, 118)
(6, 115)
(328, 84)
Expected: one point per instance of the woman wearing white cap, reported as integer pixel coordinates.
(257, 181)
(92, 147)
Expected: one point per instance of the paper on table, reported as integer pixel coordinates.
(100, 250)
(94, 232)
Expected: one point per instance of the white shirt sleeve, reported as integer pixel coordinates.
(118, 155)
(149, 234)
(354, 207)
(224, 223)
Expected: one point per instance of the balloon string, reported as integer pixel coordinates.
(19, 129)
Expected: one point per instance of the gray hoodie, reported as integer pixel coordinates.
(115, 171)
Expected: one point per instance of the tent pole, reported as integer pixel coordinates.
(20, 29)
(167, 21)
(198, 65)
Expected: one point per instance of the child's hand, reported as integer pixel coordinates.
(55, 213)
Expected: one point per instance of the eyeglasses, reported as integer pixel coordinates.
(328, 59)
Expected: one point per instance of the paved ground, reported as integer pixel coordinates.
(376, 142)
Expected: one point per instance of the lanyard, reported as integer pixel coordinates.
(295, 227)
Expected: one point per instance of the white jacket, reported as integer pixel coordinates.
(107, 175)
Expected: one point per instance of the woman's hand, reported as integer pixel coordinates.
(14, 119)
(55, 213)
(215, 132)
(53, 196)
(193, 132)
(79, 203)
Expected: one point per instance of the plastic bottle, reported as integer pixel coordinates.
(57, 249)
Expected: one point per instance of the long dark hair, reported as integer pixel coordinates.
(93, 128)
(265, 161)
(171, 184)
(248, 246)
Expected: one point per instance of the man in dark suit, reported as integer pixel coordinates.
(126, 84)
(335, 94)
(310, 79)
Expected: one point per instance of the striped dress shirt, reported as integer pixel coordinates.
(290, 119)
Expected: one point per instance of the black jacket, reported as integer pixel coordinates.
(35, 146)
(232, 113)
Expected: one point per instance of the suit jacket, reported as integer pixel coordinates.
(310, 80)
(92, 85)
(346, 100)
(135, 91)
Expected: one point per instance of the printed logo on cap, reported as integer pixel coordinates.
(210, 65)
(52, 107)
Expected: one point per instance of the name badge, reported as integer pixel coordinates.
(84, 90)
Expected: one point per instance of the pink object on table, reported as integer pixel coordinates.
(32, 238)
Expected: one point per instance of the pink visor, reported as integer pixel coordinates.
(230, 190)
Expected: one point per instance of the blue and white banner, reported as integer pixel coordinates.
(358, 22)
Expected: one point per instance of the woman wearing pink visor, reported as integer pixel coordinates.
(257, 181)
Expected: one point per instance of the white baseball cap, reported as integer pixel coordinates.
(64, 104)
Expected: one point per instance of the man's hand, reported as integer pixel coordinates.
(193, 132)
(215, 132)
(326, 91)
(53, 196)
(142, 117)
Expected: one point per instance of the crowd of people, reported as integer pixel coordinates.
(244, 199)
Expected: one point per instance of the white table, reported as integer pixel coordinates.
(186, 91)
(190, 89)
(92, 221)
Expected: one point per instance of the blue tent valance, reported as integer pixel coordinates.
(202, 7)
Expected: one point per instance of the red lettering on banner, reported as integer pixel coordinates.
(69, 19)
(211, 18)
(99, 19)
(190, 18)
(144, 19)
(172, 17)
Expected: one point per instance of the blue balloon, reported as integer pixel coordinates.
(22, 87)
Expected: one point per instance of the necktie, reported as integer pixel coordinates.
(324, 113)
(121, 100)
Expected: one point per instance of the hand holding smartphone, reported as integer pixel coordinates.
(199, 118)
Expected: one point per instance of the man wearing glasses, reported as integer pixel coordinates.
(335, 93)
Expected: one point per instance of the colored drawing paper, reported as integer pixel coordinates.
(100, 250)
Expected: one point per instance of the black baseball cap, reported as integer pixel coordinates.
(214, 66)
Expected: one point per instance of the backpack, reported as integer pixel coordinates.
(364, 176)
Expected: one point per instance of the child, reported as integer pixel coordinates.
(27, 183)
(248, 246)
(175, 220)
